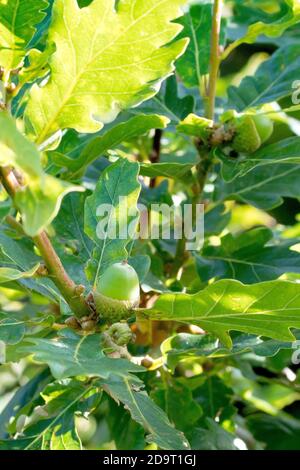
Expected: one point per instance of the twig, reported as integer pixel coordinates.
(155, 154)
(203, 169)
(53, 263)
(206, 159)
(214, 58)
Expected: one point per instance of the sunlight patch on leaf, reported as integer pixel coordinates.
(39, 201)
(106, 60)
(18, 19)
(269, 309)
(272, 29)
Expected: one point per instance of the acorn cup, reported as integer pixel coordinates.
(117, 293)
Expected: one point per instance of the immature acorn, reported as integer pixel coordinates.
(120, 334)
(117, 292)
(251, 131)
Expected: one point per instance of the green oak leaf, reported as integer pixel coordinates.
(103, 70)
(214, 397)
(270, 397)
(12, 330)
(82, 355)
(126, 433)
(185, 346)
(25, 394)
(281, 432)
(195, 126)
(169, 102)
(5, 207)
(62, 401)
(212, 437)
(263, 187)
(100, 145)
(141, 264)
(272, 81)
(40, 199)
(36, 66)
(55, 429)
(248, 257)
(197, 23)
(175, 396)
(11, 274)
(168, 170)
(19, 255)
(216, 220)
(14, 326)
(19, 20)
(118, 189)
(158, 195)
(282, 152)
(68, 226)
(267, 309)
(247, 13)
(130, 392)
(270, 29)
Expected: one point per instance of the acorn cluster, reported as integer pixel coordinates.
(245, 133)
(250, 131)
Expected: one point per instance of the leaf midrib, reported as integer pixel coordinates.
(271, 179)
(245, 313)
(78, 76)
(240, 261)
(58, 417)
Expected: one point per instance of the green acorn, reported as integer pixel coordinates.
(247, 138)
(251, 131)
(117, 292)
(120, 334)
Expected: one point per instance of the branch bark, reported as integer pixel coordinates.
(206, 159)
(155, 154)
(205, 163)
(68, 289)
(214, 58)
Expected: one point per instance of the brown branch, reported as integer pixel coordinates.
(59, 276)
(155, 154)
